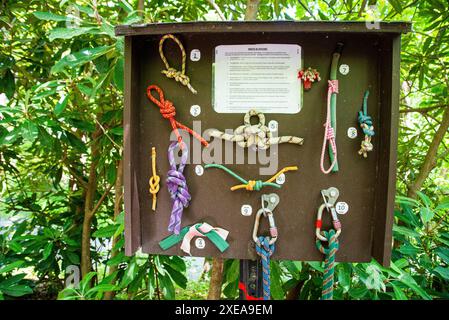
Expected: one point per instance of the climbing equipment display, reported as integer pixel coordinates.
(171, 73)
(257, 135)
(252, 185)
(216, 235)
(330, 197)
(265, 245)
(154, 179)
(308, 76)
(177, 187)
(330, 126)
(366, 123)
(168, 111)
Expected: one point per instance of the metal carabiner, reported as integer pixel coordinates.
(330, 197)
(272, 201)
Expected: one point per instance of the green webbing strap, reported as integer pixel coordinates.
(213, 236)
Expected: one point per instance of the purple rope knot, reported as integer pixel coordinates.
(177, 187)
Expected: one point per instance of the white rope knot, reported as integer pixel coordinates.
(254, 135)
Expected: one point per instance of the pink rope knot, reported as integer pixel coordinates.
(203, 229)
(330, 134)
(333, 86)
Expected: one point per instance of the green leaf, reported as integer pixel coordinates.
(48, 16)
(426, 214)
(405, 231)
(119, 74)
(105, 232)
(425, 199)
(17, 291)
(47, 250)
(276, 287)
(443, 253)
(69, 33)
(30, 131)
(233, 271)
(398, 293)
(11, 266)
(79, 58)
(444, 272)
(396, 4)
(179, 278)
(7, 84)
(60, 106)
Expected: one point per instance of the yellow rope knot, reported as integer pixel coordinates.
(155, 179)
(171, 73)
(257, 185)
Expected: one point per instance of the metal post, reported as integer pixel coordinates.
(251, 278)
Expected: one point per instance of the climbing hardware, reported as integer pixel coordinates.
(330, 197)
(171, 73)
(177, 187)
(265, 245)
(154, 179)
(366, 123)
(309, 76)
(330, 126)
(216, 235)
(257, 135)
(168, 111)
(252, 185)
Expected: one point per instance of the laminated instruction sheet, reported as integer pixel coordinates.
(257, 76)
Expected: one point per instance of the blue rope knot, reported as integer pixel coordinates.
(367, 120)
(265, 250)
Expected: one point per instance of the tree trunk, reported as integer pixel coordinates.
(216, 279)
(86, 264)
(117, 209)
(431, 156)
(252, 7)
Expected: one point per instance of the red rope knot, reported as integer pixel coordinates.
(168, 111)
(333, 86)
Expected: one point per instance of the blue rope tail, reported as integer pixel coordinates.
(265, 250)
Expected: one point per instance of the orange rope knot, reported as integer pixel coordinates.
(168, 111)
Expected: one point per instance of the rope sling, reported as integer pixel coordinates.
(330, 126)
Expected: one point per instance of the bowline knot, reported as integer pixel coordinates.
(172, 73)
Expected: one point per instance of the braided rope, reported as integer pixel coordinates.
(168, 111)
(177, 187)
(329, 262)
(258, 135)
(171, 73)
(329, 131)
(154, 179)
(366, 123)
(265, 251)
(252, 185)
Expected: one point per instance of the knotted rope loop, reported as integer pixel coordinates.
(252, 185)
(329, 262)
(154, 179)
(265, 250)
(168, 111)
(171, 73)
(256, 135)
(329, 131)
(366, 123)
(177, 187)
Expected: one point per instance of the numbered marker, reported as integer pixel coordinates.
(199, 170)
(246, 210)
(195, 110)
(273, 125)
(344, 69)
(352, 133)
(341, 207)
(200, 243)
(195, 55)
(280, 179)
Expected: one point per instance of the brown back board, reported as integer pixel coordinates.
(367, 185)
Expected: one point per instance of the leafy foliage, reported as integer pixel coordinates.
(61, 85)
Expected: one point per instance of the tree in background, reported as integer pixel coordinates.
(61, 84)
